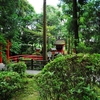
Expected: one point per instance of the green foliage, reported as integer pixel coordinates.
(3, 43)
(88, 18)
(83, 48)
(2, 39)
(9, 83)
(89, 25)
(19, 67)
(69, 77)
(15, 47)
(14, 17)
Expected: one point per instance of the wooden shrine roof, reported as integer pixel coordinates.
(60, 42)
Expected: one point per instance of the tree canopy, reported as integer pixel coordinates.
(20, 24)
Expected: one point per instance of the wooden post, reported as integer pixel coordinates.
(8, 50)
(31, 64)
(0, 53)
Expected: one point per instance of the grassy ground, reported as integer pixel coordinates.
(29, 93)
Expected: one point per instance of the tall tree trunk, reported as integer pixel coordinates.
(75, 23)
(44, 32)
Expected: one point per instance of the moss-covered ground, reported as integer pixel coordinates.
(29, 92)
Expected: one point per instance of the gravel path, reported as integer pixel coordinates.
(34, 72)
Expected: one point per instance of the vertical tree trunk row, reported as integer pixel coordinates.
(75, 30)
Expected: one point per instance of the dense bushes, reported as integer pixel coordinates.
(19, 67)
(9, 83)
(70, 77)
(12, 80)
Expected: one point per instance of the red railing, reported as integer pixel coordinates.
(17, 57)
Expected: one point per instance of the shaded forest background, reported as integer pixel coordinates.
(75, 21)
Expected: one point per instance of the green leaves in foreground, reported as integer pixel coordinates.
(69, 77)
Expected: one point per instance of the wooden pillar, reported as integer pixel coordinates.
(8, 50)
(0, 53)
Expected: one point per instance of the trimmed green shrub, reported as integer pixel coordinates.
(70, 77)
(9, 83)
(19, 67)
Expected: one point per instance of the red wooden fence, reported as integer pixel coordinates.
(17, 57)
